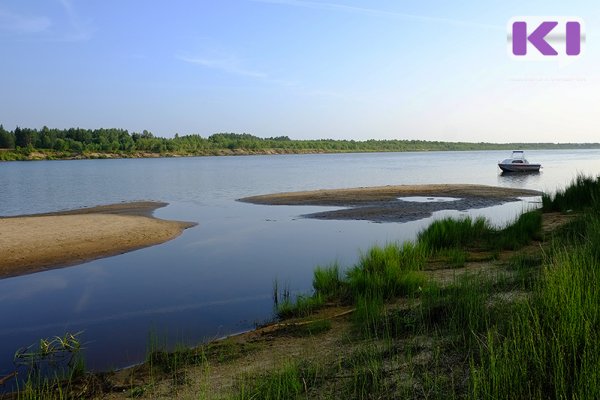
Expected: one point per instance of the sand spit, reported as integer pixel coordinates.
(34, 243)
(382, 204)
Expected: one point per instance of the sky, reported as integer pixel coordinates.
(308, 69)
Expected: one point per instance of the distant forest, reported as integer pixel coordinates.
(47, 143)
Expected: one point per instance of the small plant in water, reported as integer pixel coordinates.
(51, 353)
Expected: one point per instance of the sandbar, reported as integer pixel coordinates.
(382, 203)
(34, 243)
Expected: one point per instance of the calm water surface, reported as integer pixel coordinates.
(216, 279)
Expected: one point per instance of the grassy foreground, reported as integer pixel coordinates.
(467, 311)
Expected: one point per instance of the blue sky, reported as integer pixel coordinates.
(378, 69)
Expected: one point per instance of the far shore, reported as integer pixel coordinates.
(34, 243)
(382, 203)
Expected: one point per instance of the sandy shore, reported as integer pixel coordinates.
(34, 243)
(381, 203)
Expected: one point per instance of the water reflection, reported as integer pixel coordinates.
(520, 179)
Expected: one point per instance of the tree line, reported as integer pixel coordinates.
(114, 140)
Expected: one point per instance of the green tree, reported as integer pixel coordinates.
(60, 145)
(7, 139)
(25, 137)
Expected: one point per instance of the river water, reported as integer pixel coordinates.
(217, 278)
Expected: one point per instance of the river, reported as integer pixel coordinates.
(216, 279)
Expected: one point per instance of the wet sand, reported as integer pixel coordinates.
(381, 203)
(34, 243)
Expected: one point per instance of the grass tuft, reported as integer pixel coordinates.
(288, 382)
(583, 192)
(453, 233)
(388, 272)
(328, 283)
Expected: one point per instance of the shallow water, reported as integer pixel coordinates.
(216, 279)
(428, 199)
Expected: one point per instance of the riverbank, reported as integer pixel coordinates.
(412, 345)
(41, 155)
(241, 147)
(467, 310)
(400, 203)
(34, 243)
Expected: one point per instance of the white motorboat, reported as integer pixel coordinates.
(518, 163)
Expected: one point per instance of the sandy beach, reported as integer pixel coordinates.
(382, 204)
(35, 243)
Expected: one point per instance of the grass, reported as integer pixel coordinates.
(521, 232)
(454, 233)
(387, 272)
(302, 306)
(449, 234)
(550, 347)
(583, 192)
(182, 356)
(543, 345)
(286, 382)
(526, 268)
(328, 282)
(394, 270)
(462, 308)
(367, 376)
(455, 257)
(312, 328)
(370, 317)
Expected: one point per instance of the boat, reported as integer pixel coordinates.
(518, 163)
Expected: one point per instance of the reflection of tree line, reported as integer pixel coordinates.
(78, 140)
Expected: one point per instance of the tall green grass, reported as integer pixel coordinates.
(522, 231)
(394, 269)
(328, 282)
(301, 306)
(550, 348)
(388, 271)
(583, 192)
(454, 233)
(367, 375)
(463, 307)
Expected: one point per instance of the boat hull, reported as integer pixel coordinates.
(520, 167)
